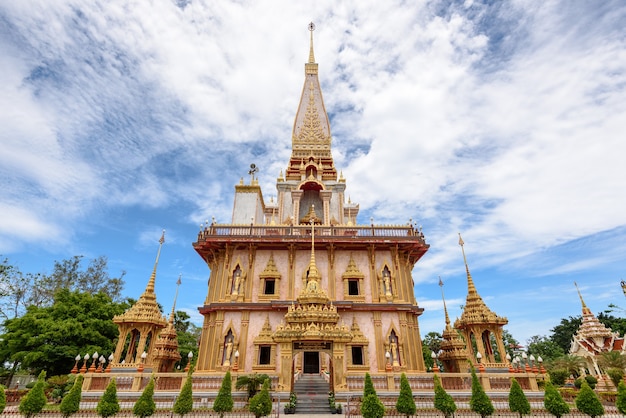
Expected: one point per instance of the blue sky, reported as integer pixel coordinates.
(504, 122)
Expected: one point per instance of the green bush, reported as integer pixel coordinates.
(588, 402)
(261, 403)
(517, 399)
(108, 405)
(553, 402)
(224, 400)
(145, 406)
(3, 399)
(405, 403)
(616, 375)
(443, 401)
(71, 401)
(620, 402)
(480, 402)
(368, 386)
(57, 386)
(35, 399)
(184, 402)
(372, 407)
(558, 376)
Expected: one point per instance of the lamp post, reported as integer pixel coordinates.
(533, 363)
(525, 360)
(108, 369)
(84, 368)
(481, 367)
(143, 358)
(508, 360)
(388, 357)
(236, 365)
(92, 368)
(75, 368)
(100, 368)
(433, 356)
(189, 357)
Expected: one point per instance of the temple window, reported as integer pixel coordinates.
(353, 287)
(270, 286)
(265, 352)
(357, 355)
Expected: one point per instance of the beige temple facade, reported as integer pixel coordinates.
(296, 285)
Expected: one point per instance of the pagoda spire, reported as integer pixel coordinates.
(471, 289)
(172, 314)
(313, 272)
(586, 310)
(150, 286)
(445, 309)
(311, 54)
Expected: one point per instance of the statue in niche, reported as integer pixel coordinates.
(393, 349)
(239, 279)
(387, 282)
(228, 350)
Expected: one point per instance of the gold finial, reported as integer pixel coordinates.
(445, 309)
(150, 287)
(311, 55)
(586, 310)
(313, 273)
(178, 282)
(470, 282)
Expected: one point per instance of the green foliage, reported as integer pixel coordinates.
(620, 401)
(35, 399)
(372, 407)
(261, 403)
(145, 406)
(553, 402)
(443, 401)
(572, 364)
(71, 401)
(480, 402)
(57, 386)
(558, 376)
(562, 334)
(517, 399)
(188, 336)
(48, 338)
(108, 404)
(588, 402)
(368, 386)
(591, 381)
(430, 344)
(224, 400)
(544, 347)
(184, 402)
(3, 399)
(405, 403)
(616, 375)
(251, 382)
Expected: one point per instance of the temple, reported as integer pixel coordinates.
(296, 285)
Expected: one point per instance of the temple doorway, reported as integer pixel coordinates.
(311, 360)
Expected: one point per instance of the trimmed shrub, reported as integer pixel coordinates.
(553, 402)
(443, 401)
(71, 401)
(588, 402)
(368, 386)
(558, 376)
(145, 406)
(261, 403)
(620, 402)
(224, 400)
(184, 402)
(405, 403)
(108, 405)
(35, 399)
(517, 399)
(616, 375)
(480, 402)
(3, 399)
(372, 407)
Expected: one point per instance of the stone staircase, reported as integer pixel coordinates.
(312, 392)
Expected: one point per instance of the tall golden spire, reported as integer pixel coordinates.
(445, 309)
(172, 314)
(150, 286)
(586, 310)
(470, 282)
(311, 54)
(313, 272)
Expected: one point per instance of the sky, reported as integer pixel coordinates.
(504, 121)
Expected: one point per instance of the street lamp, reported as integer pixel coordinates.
(102, 362)
(236, 365)
(541, 369)
(388, 357)
(92, 368)
(75, 368)
(525, 360)
(532, 363)
(433, 356)
(143, 358)
(108, 369)
(84, 368)
(189, 357)
(481, 367)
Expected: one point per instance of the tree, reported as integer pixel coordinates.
(15, 288)
(616, 375)
(188, 336)
(443, 401)
(572, 364)
(620, 402)
(49, 338)
(224, 400)
(510, 345)
(553, 401)
(558, 376)
(251, 382)
(588, 402)
(480, 402)
(145, 406)
(517, 399)
(405, 403)
(544, 347)
(3, 399)
(108, 405)
(69, 274)
(615, 323)
(184, 402)
(71, 401)
(613, 363)
(261, 403)
(562, 334)
(368, 386)
(35, 399)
